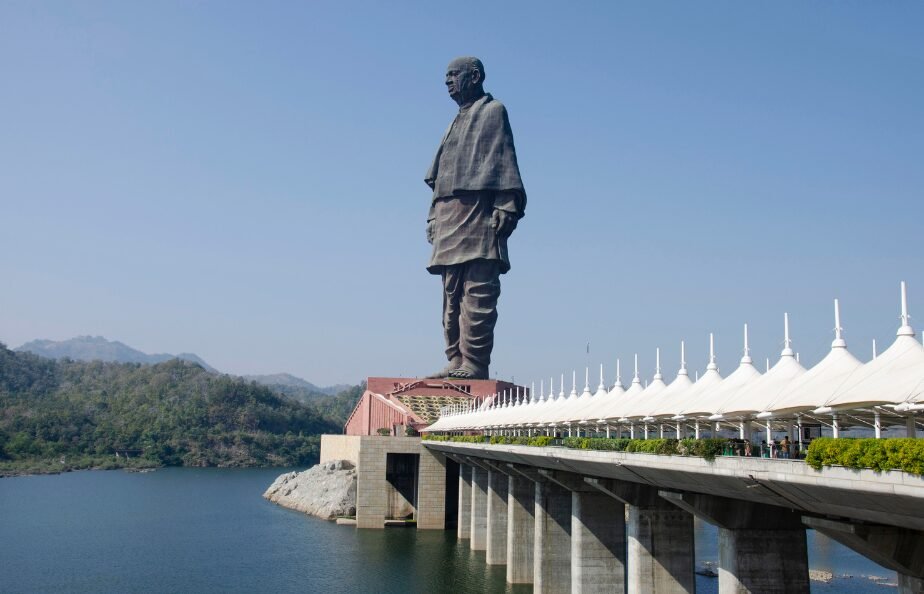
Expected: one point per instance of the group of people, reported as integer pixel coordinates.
(784, 449)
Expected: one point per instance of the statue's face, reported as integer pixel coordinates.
(461, 80)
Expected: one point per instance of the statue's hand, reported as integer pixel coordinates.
(430, 230)
(503, 222)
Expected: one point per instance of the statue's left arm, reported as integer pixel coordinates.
(506, 213)
(510, 197)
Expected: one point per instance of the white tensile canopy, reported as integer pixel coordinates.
(841, 386)
(601, 397)
(706, 401)
(752, 397)
(586, 400)
(609, 400)
(668, 398)
(642, 406)
(672, 406)
(810, 390)
(548, 417)
(614, 407)
(894, 377)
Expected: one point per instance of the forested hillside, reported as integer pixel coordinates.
(338, 407)
(172, 413)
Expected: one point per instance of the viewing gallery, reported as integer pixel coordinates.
(778, 410)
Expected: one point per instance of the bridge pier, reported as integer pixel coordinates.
(464, 525)
(598, 537)
(899, 549)
(521, 511)
(660, 551)
(496, 538)
(552, 540)
(762, 548)
(551, 533)
(479, 514)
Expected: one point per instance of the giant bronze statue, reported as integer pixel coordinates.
(478, 198)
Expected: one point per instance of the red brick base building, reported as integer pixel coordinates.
(390, 405)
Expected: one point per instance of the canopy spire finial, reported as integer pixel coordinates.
(747, 349)
(787, 342)
(712, 365)
(906, 329)
(657, 374)
(839, 341)
(683, 360)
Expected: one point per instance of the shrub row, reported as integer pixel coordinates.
(905, 454)
(539, 441)
(704, 448)
(457, 438)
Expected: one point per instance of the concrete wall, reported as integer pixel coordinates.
(340, 447)
(372, 488)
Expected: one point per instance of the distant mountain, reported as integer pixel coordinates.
(287, 380)
(97, 348)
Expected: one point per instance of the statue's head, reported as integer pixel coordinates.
(465, 79)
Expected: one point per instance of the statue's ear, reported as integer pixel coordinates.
(477, 78)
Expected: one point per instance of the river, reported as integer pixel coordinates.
(209, 530)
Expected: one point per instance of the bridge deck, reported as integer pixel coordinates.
(893, 498)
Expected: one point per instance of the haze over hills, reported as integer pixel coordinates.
(98, 348)
(290, 381)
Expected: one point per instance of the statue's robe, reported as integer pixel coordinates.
(474, 172)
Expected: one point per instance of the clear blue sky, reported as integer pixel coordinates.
(244, 180)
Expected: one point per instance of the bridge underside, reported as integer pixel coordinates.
(590, 521)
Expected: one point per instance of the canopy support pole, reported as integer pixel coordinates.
(835, 429)
(877, 424)
(696, 428)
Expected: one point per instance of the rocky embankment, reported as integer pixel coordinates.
(325, 490)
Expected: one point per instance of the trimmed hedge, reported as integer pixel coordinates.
(456, 438)
(539, 441)
(703, 448)
(906, 454)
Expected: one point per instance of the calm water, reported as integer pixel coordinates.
(209, 530)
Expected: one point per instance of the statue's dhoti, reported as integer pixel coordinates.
(470, 293)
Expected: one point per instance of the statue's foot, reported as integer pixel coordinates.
(469, 371)
(446, 371)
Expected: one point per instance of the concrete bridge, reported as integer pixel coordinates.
(571, 520)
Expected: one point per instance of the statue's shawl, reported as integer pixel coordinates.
(484, 159)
